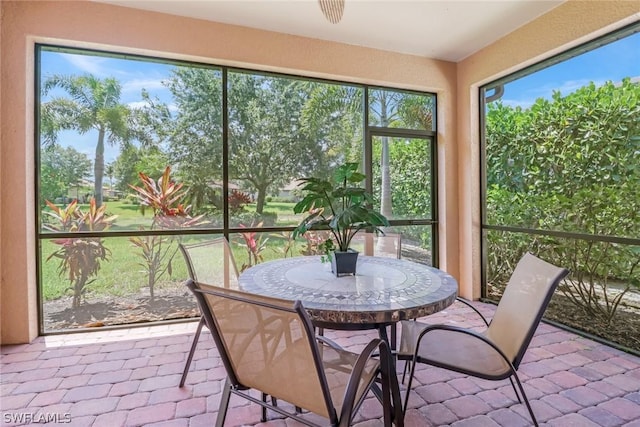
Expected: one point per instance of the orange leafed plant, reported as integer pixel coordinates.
(80, 257)
(163, 196)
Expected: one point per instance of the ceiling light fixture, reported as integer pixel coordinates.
(332, 9)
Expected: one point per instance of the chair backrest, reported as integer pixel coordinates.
(522, 305)
(267, 344)
(383, 245)
(211, 262)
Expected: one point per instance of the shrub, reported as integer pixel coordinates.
(268, 219)
(238, 200)
(80, 258)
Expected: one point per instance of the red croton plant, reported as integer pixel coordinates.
(80, 258)
(163, 197)
(254, 245)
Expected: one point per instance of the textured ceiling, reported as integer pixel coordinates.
(448, 30)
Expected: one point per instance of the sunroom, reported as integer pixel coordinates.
(528, 143)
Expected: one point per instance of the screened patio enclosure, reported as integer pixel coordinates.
(236, 144)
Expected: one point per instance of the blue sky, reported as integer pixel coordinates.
(610, 62)
(133, 75)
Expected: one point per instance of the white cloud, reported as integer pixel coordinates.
(571, 86)
(88, 64)
(136, 105)
(132, 82)
(135, 85)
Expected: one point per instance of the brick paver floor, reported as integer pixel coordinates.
(129, 377)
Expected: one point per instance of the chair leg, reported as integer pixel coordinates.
(263, 418)
(406, 397)
(526, 400)
(404, 371)
(514, 389)
(224, 404)
(396, 400)
(187, 364)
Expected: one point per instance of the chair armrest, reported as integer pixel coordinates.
(390, 389)
(324, 340)
(458, 329)
(468, 304)
(348, 400)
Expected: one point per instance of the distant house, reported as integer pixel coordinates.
(218, 185)
(286, 192)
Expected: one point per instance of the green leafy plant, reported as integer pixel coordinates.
(340, 206)
(80, 258)
(569, 164)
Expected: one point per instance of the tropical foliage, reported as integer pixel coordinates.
(274, 130)
(61, 169)
(163, 197)
(254, 243)
(80, 258)
(93, 104)
(570, 164)
(339, 205)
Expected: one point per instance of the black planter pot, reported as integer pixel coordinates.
(344, 263)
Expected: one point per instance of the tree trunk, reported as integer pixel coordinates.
(98, 169)
(385, 189)
(386, 208)
(151, 280)
(262, 195)
(78, 289)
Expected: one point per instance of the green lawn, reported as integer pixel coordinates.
(124, 274)
(284, 211)
(131, 217)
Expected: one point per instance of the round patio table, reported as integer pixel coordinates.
(383, 291)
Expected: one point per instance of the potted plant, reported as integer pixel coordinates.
(342, 207)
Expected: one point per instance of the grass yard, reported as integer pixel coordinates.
(119, 293)
(284, 210)
(123, 274)
(132, 217)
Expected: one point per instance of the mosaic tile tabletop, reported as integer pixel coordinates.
(384, 290)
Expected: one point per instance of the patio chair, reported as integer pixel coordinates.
(208, 262)
(496, 353)
(292, 365)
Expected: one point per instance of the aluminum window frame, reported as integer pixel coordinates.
(226, 229)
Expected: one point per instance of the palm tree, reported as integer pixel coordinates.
(94, 104)
(387, 109)
(397, 109)
(110, 170)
